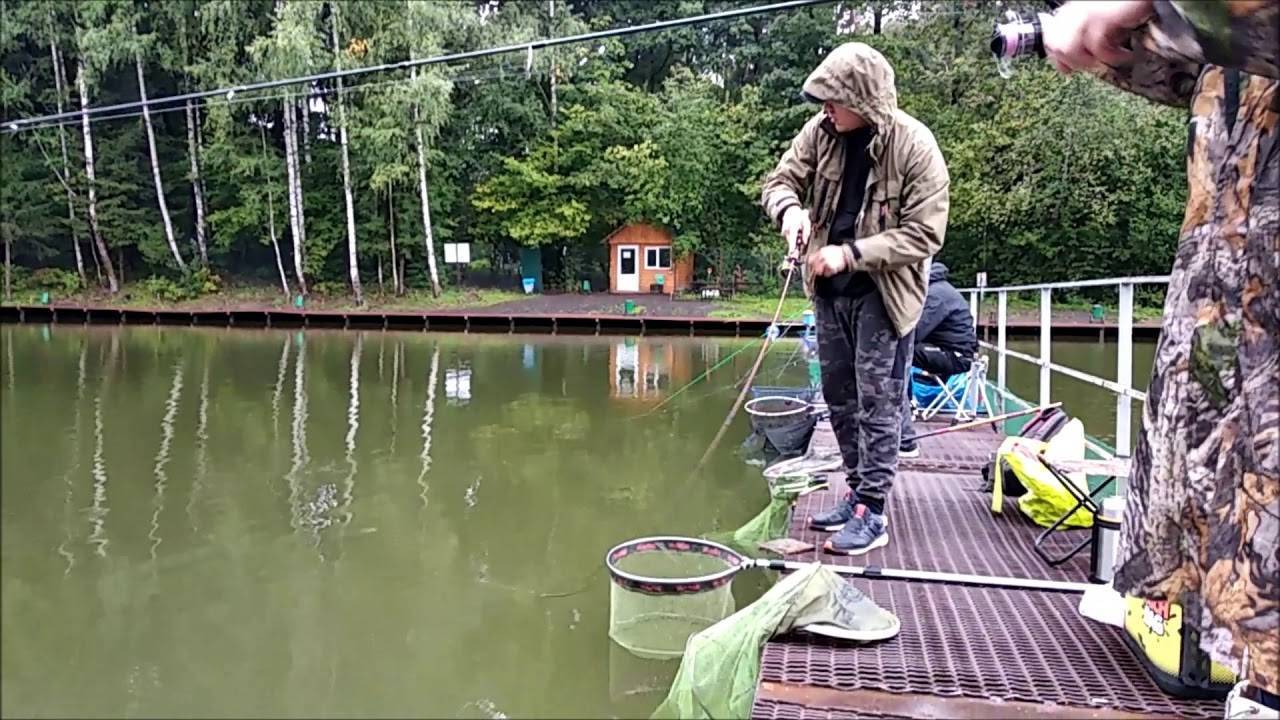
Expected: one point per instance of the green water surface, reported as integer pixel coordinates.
(267, 523)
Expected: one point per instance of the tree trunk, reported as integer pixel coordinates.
(60, 84)
(197, 189)
(271, 220)
(296, 217)
(304, 109)
(877, 13)
(94, 228)
(204, 191)
(427, 238)
(391, 225)
(382, 290)
(155, 166)
(352, 262)
(551, 7)
(8, 267)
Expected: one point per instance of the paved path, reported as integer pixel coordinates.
(605, 304)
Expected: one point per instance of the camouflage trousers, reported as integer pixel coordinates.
(864, 364)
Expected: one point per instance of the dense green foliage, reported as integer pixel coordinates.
(1053, 177)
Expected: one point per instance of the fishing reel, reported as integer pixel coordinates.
(1018, 37)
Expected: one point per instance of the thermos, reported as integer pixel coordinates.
(1106, 538)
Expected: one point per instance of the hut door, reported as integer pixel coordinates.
(628, 268)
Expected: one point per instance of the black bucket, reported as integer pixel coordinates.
(786, 422)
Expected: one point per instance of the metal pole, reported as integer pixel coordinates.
(1002, 316)
(973, 307)
(931, 576)
(1124, 369)
(1046, 329)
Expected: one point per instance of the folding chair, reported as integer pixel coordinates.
(973, 399)
(1087, 499)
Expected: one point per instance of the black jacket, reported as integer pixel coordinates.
(946, 320)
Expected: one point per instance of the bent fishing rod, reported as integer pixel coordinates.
(793, 262)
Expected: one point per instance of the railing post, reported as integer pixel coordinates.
(973, 308)
(1046, 329)
(1124, 369)
(1002, 314)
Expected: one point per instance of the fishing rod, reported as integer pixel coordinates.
(735, 563)
(984, 421)
(793, 262)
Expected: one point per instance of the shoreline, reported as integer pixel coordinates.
(507, 317)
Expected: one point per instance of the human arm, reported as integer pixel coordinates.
(787, 183)
(1156, 48)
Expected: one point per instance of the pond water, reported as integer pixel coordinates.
(270, 523)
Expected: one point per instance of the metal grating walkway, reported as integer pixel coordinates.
(962, 652)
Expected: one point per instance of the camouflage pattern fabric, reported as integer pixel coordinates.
(1202, 524)
(864, 361)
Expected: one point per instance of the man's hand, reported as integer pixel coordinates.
(796, 229)
(1086, 35)
(827, 261)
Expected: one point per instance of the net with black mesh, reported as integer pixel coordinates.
(664, 590)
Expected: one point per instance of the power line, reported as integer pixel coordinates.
(495, 73)
(229, 92)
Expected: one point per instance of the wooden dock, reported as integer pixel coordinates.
(963, 652)
(473, 321)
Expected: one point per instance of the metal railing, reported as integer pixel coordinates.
(1121, 386)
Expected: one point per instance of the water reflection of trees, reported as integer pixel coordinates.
(162, 455)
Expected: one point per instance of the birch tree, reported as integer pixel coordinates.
(60, 92)
(91, 182)
(353, 263)
(155, 158)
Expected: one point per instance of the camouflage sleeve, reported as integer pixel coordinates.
(1185, 35)
(1235, 34)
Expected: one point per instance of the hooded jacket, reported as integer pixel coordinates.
(904, 213)
(946, 320)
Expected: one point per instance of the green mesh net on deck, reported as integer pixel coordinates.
(770, 524)
(717, 678)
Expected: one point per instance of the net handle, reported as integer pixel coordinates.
(873, 571)
(668, 586)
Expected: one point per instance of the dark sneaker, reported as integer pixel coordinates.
(862, 532)
(835, 518)
(909, 451)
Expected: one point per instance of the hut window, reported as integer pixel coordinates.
(657, 258)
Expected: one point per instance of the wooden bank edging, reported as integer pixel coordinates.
(442, 320)
(466, 321)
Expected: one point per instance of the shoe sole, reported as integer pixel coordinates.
(836, 528)
(909, 455)
(826, 528)
(877, 543)
(840, 633)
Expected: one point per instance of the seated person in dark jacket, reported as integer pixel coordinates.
(945, 341)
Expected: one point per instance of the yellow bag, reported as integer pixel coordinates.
(1172, 656)
(1045, 499)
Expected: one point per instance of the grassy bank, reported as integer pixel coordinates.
(141, 295)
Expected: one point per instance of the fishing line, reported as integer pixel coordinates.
(713, 368)
(793, 261)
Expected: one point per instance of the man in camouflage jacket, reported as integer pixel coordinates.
(1202, 522)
